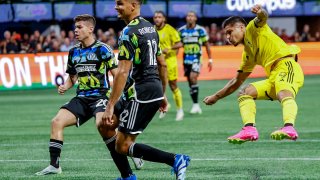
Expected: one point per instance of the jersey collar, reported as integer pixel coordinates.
(95, 41)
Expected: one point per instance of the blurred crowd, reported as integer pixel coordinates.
(36, 42)
(14, 42)
(216, 35)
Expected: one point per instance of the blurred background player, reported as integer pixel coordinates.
(285, 77)
(88, 62)
(142, 76)
(170, 42)
(193, 37)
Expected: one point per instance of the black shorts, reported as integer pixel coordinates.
(134, 116)
(85, 108)
(188, 68)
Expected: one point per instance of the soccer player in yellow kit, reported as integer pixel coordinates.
(170, 42)
(285, 77)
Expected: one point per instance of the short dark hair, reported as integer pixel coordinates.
(232, 20)
(140, 1)
(193, 13)
(85, 17)
(161, 12)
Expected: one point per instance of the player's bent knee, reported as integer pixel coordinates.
(122, 148)
(284, 94)
(247, 90)
(57, 122)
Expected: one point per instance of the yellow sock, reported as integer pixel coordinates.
(289, 110)
(247, 109)
(177, 96)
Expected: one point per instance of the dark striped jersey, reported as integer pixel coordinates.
(139, 43)
(91, 65)
(192, 40)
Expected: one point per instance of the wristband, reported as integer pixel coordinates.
(210, 61)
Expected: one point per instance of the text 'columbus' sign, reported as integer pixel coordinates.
(270, 5)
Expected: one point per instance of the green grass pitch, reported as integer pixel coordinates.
(25, 128)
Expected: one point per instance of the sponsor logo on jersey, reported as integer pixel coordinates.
(86, 68)
(92, 57)
(190, 39)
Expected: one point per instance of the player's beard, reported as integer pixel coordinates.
(161, 25)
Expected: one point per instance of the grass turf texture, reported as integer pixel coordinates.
(25, 130)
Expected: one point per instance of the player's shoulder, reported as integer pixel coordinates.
(251, 23)
(200, 28)
(137, 23)
(182, 28)
(102, 46)
(74, 48)
(170, 28)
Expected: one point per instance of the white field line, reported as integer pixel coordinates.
(165, 142)
(193, 159)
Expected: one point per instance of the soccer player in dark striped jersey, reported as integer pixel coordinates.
(142, 76)
(88, 63)
(193, 37)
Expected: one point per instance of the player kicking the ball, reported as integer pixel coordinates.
(285, 77)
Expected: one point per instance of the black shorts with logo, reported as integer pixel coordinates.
(134, 116)
(188, 68)
(85, 108)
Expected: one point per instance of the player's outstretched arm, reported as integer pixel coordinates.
(71, 80)
(262, 15)
(228, 89)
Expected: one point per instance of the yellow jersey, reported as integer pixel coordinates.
(263, 47)
(168, 37)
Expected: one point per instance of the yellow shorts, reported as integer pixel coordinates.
(286, 75)
(172, 68)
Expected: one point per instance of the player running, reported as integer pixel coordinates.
(193, 37)
(170, 42)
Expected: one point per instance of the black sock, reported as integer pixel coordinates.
(248, 124)
(55, 147)
(288, 124)
(194, 91)
(151, 154)
(120, 160)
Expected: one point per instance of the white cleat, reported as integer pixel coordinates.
(180, 114)
(162, 115)
(138, 163)
(49, 170)
(196, 109)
